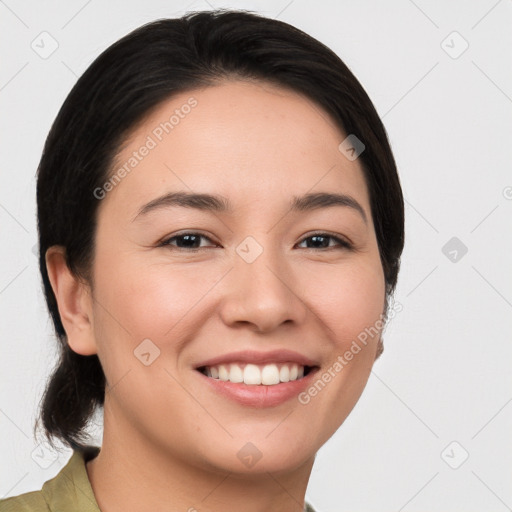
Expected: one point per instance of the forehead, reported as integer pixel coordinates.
(251, 139)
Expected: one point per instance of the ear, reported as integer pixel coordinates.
(74, 301)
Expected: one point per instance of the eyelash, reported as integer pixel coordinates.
(343, 244)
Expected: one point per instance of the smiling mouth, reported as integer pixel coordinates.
(256, 374)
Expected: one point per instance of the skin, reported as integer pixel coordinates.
(169, 442)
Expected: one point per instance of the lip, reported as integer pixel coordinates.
(259, 396)
(256, 357)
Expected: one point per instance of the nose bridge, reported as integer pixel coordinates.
(260, 266)
(261, 289)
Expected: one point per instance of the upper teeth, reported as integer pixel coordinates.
(251, 374)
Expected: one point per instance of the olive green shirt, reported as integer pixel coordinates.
(69, 491)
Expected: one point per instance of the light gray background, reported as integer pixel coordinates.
(445, 372)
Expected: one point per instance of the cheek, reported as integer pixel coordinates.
(350, 302)
(348, 299)
(153, 300)
(166, 298)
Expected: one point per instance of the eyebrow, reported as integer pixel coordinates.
(217, 203)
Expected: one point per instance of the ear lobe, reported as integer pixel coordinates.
(74, 302)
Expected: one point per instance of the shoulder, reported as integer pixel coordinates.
(28, 502)
(69, 490)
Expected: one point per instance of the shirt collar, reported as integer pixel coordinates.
(71, 489)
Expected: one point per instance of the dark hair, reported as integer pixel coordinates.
(128, 81)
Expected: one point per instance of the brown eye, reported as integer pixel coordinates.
(184, 241)
(322, 240)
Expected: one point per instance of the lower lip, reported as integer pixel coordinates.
(260, 396)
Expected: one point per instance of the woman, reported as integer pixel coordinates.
(220, 227)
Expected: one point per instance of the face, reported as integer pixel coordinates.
(236, 287)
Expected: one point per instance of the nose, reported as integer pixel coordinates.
(263, 294)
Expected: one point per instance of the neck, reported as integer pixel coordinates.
(132, 474)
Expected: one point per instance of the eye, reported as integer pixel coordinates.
(321, 241)
(188, 240)
(191, 241)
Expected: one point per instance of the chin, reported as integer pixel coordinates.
(256, 455)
